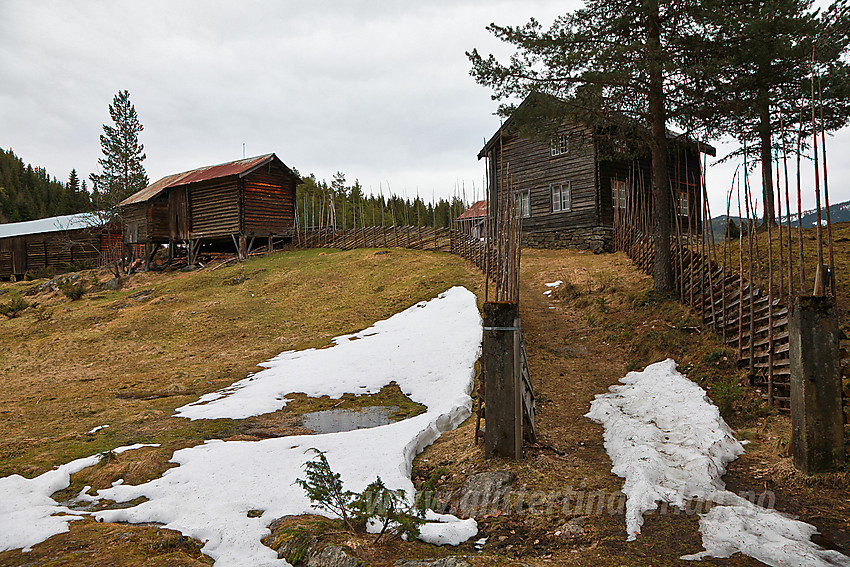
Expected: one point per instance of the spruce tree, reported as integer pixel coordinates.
(121, 165)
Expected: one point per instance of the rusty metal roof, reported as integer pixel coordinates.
(240, 167)
(476, 211)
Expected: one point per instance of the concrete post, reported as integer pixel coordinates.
(817, 436)
(500, 386)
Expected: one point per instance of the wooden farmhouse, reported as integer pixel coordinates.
(59, 243)
(235, 202)
(570, 184)
(473, 220)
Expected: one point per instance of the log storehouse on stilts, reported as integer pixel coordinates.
(231, 203)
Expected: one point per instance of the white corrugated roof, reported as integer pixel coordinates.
(52, 224)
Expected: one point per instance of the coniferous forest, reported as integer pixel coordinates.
(29, 193)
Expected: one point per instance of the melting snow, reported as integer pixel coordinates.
(669, 443)
(27, 512)
(429, 350)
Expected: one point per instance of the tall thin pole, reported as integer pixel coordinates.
(800, 207)
(826, 193)
(819, 283)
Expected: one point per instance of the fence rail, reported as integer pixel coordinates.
(742, 314)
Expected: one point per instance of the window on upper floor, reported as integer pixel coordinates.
(561, 197)
(559, 145)
(618, 193)
(683, 204)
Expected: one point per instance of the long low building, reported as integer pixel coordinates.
(236, 201)
(57, 242)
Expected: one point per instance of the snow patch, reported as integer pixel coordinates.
(669, 443)
(665, 438)
(554, 284)
(408, 346)
(429, 350)
(445, 529)
(28, 513)
(738, 525)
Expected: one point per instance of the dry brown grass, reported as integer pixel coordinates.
(579, 342)
(128, 362)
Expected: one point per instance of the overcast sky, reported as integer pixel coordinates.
(377, 89)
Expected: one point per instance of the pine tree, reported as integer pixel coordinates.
(625, 63)
(765, 54)
(122, 171)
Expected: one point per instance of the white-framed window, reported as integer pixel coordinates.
(524, 198)
(560, 145)
(618, 193)
(561, 197)
(683, 204)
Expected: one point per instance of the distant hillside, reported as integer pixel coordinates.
(839, 212)
(29, 193)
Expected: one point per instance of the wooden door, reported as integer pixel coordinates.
(178, 214)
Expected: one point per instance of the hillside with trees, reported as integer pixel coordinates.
(28, 192)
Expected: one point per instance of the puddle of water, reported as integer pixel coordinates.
(338, 420)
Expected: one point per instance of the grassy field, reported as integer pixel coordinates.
(128, 358)
(112, 358)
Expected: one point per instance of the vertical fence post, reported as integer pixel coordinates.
(817, 425)
(500, 385)
(517, 380)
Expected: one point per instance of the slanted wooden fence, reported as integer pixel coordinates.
(742, 314)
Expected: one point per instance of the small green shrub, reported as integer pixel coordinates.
(40, 273)
(42, 313)
(73, 291)
(324, 489)
(602, 304)
(14, 306)
(390, 507)
(726, 392)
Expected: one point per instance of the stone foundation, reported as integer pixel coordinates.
(597, 239)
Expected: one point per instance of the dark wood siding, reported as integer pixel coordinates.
(214, 208)
(269, 201)
(532, 168)
(158, 219)
(683, 170)
(136, 219)
(57, 250)
(36, 252)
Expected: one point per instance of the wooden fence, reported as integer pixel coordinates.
(495, 265)
(743, 315)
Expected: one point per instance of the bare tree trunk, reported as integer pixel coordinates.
(663, 269)
(766, 159)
